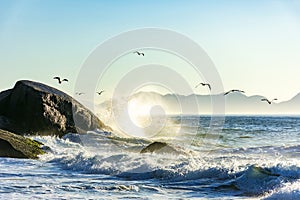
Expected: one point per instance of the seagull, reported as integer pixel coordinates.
(59, 80)
(79, 93)
(267, 100)
(233, 91)
(100, 92)
(204, 84)
(139, 53)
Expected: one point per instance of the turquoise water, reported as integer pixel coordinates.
(251, 157)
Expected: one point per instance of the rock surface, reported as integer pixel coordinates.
(16, 146)
(160, 147)
(35, 108)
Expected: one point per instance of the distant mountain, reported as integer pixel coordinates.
(290, 107)
(235, 103)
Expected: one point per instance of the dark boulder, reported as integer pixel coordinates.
(161, 147)
(155, 146)
(16, 146)
(35, 108)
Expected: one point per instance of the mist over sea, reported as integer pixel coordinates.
(252, 157)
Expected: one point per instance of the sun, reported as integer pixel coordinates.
(139, 113)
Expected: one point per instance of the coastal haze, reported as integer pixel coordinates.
(235, 104)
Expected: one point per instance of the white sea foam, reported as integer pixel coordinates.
(288, 191)
(244, 162)
(240, 170)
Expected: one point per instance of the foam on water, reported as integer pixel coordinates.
(288, 191)
(239, 164)
(233, 171)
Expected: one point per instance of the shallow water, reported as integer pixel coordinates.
(250, 158)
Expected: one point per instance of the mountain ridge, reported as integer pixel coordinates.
(235, 103)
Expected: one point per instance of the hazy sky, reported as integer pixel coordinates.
(255, 45)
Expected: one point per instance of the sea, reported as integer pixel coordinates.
(248, 157)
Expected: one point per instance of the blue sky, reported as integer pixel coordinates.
(255, 45)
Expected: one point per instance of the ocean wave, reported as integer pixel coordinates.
(232, 171)
(288, 191)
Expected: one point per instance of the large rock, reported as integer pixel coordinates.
(162, 147)
(165, 148)
(16, 146)
(35, 108)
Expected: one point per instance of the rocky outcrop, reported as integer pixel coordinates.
(161, 147)
(35, 108)
(16, 146)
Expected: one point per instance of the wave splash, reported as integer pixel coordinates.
(226, 171)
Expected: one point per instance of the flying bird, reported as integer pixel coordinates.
(59, 79)
(230, 91)
(100, 92)
(139, 53)
(267, 100)
(79, 93)
(204, 84)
